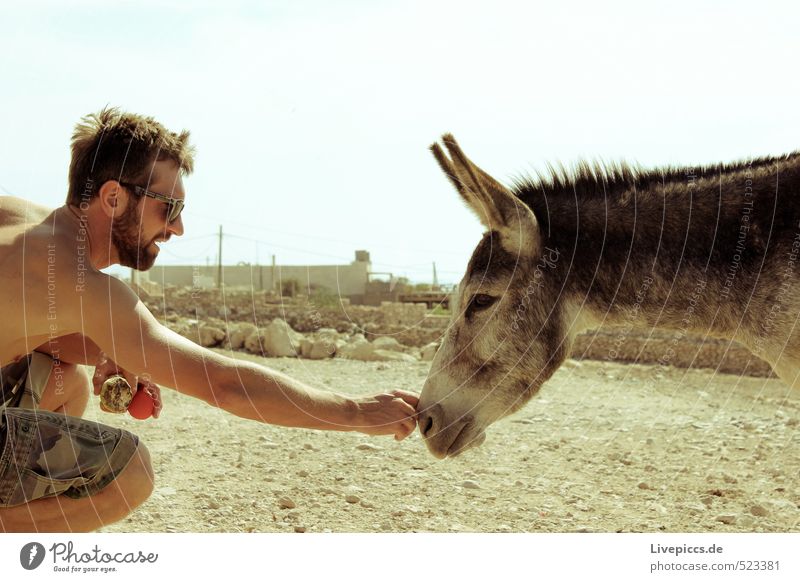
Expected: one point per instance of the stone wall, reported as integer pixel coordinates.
(412, 325)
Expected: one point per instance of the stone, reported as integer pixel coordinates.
(350, 498)
(429, 351)
(321, 349)
(239, 333)
(726, 518)
(209, 336)
(286, 503)
(387, 343)
(368, 447)
(253, 342)
(759, 510)
(299, 529)
(469, 484)
(280, 340)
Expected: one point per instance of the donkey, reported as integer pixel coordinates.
(712, 250)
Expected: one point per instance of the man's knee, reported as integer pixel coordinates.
(136, 481)
(76, 379)
(130, 489)
(68, 383)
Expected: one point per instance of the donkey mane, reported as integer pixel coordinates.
(597, 178)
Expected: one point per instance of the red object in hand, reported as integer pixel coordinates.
(142, 405)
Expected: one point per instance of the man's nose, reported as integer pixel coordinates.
(176, 227)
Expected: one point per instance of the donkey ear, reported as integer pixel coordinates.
(497, 207)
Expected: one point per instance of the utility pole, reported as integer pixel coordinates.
(435, 279)
(273, 273)
(219, 260)
(260, 271)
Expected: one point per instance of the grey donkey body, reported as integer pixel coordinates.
(713, 250)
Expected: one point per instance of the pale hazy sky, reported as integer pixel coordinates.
(312, 118)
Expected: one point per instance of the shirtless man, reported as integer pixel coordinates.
(60, 313)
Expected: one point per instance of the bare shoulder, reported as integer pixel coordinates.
(15, 210)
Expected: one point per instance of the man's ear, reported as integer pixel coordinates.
(113, 199)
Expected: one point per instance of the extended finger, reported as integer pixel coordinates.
(411, 397)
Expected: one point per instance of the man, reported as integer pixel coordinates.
(58, 472)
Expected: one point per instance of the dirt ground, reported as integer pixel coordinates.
(604, 448)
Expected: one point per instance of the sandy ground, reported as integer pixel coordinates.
(604, 448)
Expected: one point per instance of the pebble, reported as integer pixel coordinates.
(299, 529)
(644, 485)
(369, 447)
(309, 447)
(759, 511)
(302, 473)
(727, 518)
(746, 521)
(352, 498)
(470, 484)
(286, 503)
(213, 505)
(267, 444)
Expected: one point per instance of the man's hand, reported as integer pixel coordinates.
(394, 413)
(107, 368)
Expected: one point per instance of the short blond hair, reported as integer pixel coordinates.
(116, 145)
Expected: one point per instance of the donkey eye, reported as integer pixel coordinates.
(482, 301)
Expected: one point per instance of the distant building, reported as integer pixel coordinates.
(344, 280)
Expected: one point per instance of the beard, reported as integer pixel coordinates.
(126, 239)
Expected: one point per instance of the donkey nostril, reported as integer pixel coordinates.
(426, 425)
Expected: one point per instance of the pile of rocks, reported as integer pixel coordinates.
(278, 339)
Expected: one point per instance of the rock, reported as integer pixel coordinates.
(469, 484)
(350, 498)
(746, 521)
(299, 529)
(286, 503)
(388, 356)
(759, 510)
(359, 349)
(727, 518)
(305, 348)
(239, 333)
(366, 352)
(368, 447)
(302, 473)
(210, 336)
(213, 505)
(387, 343)
(643, 485)
(280, 340)
(429, 351)
(321, 349)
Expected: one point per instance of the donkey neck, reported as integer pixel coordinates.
(652, 246)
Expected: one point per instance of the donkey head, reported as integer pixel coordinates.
(506, 335)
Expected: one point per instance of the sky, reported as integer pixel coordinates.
(312, 119)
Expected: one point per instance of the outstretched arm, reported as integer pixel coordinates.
(124, 329)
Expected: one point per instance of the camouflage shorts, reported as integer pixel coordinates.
(46, 454)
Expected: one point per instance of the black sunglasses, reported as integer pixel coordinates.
(175, 204)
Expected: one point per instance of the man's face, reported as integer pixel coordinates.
(144, 221)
